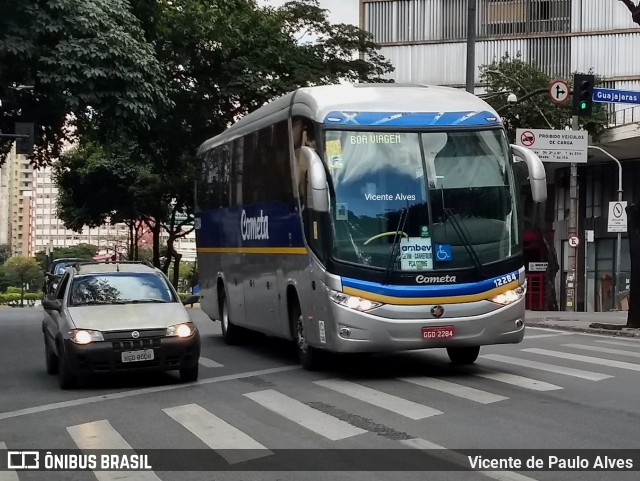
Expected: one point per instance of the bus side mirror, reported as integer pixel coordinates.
(537, 174)
(316, 180)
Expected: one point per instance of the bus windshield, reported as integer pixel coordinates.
(436, 200)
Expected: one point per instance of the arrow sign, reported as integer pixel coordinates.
(559, 91)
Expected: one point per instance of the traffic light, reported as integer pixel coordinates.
(583, 94)
(24, 145)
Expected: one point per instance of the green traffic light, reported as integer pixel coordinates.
(583, 105)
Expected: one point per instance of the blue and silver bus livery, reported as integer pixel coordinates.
(365, 218)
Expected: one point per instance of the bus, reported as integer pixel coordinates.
(365, 218)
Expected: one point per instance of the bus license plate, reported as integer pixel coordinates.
(135, 356)
(440, 332)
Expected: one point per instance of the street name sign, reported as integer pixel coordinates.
(616, 96)
(555, 145)
(617, 219)
(559, 91)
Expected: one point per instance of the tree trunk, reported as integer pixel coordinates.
(155, 230)
(170, 252)
(633, 231)
(22, 294)
(176, 269)
(130, 255)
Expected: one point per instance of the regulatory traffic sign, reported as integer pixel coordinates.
(617, 219)
(574, 241)
(555, 145)
(559, 91)
(527, 138)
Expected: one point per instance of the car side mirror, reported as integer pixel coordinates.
(52, 304)
(190, 300)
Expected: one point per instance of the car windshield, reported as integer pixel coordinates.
(119, 288)
(422, 201)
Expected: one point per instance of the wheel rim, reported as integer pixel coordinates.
(225, 317)
(302, 342)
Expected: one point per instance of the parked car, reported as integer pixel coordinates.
(117, 316)
(54, 273)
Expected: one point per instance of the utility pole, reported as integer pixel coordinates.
(471, 46)
(573, 231)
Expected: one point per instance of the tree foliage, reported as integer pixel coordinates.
(80, 251)
(88, 62)
(23, 270)
(513, 75)
(634, 9)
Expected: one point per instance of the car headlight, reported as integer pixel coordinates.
(510, 296)
(185, 329)
(85, 336)
(352, 302)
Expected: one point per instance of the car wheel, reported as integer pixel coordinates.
(310, 357)
(51, 360)
(230, 332)
(463, 355)
(66, 379)
(189, 374)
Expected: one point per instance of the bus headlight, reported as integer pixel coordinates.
(353, 302)
(510, 296)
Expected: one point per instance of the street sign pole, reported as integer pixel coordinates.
(573, 230)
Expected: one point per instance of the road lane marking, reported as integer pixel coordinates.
(551, 333)
(538, 336)
(592, 360)
(206, 362)
(635, 345)
(568, 371)
(460, 459)
(470, 393)
(306, 416)
(7, 475)
(605, 350)
(138, 392)
(217, 433)
(101, 435)
(398, 405)
(519, 381)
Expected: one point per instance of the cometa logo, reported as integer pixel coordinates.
(434, 279)
(254, 228)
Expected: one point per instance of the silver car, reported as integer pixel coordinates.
(117, 316)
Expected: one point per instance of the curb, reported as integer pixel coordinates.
(590, 330)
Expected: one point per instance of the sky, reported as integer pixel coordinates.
(340, 11)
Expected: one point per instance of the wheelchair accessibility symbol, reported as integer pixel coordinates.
(443, 252)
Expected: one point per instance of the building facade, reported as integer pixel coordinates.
(426, 41)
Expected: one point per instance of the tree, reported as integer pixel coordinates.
(223, 59)
(634, 9)
(23, 270)
(88, 62)
(80, 251)
(513, 75)
(5, 253)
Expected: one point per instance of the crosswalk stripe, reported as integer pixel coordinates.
(605, 350)
(308, 417)
(454, 389)
(538, 336)
(206, 362)
(592, 376)
(383, 400)
(519, 381)
(101, 435)
(217, 433)
(460, 459)
(7, 475)
(588, 359)
(635, 345)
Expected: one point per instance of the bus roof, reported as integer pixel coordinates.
(369, 104)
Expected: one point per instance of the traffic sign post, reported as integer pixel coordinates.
(559, 91)
(555, 145)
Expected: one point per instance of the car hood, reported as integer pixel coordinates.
(117, 317)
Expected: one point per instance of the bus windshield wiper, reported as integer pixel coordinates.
(449, 213)
(396, 240)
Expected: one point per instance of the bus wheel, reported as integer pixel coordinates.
(463, 355)
(230, 332)
(310, 357)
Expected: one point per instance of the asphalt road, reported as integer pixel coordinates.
(555, 391)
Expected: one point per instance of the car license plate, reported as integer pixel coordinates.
(135, 356)
(439, 332)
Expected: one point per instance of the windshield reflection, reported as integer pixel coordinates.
(119, 288)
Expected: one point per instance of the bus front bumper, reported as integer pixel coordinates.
(354, 331)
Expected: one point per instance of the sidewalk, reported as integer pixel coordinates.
(610, 323)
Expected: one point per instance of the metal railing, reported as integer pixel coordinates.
(624, 117)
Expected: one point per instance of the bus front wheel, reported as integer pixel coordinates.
(309, 357)
(463, 355)
(230, 332)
